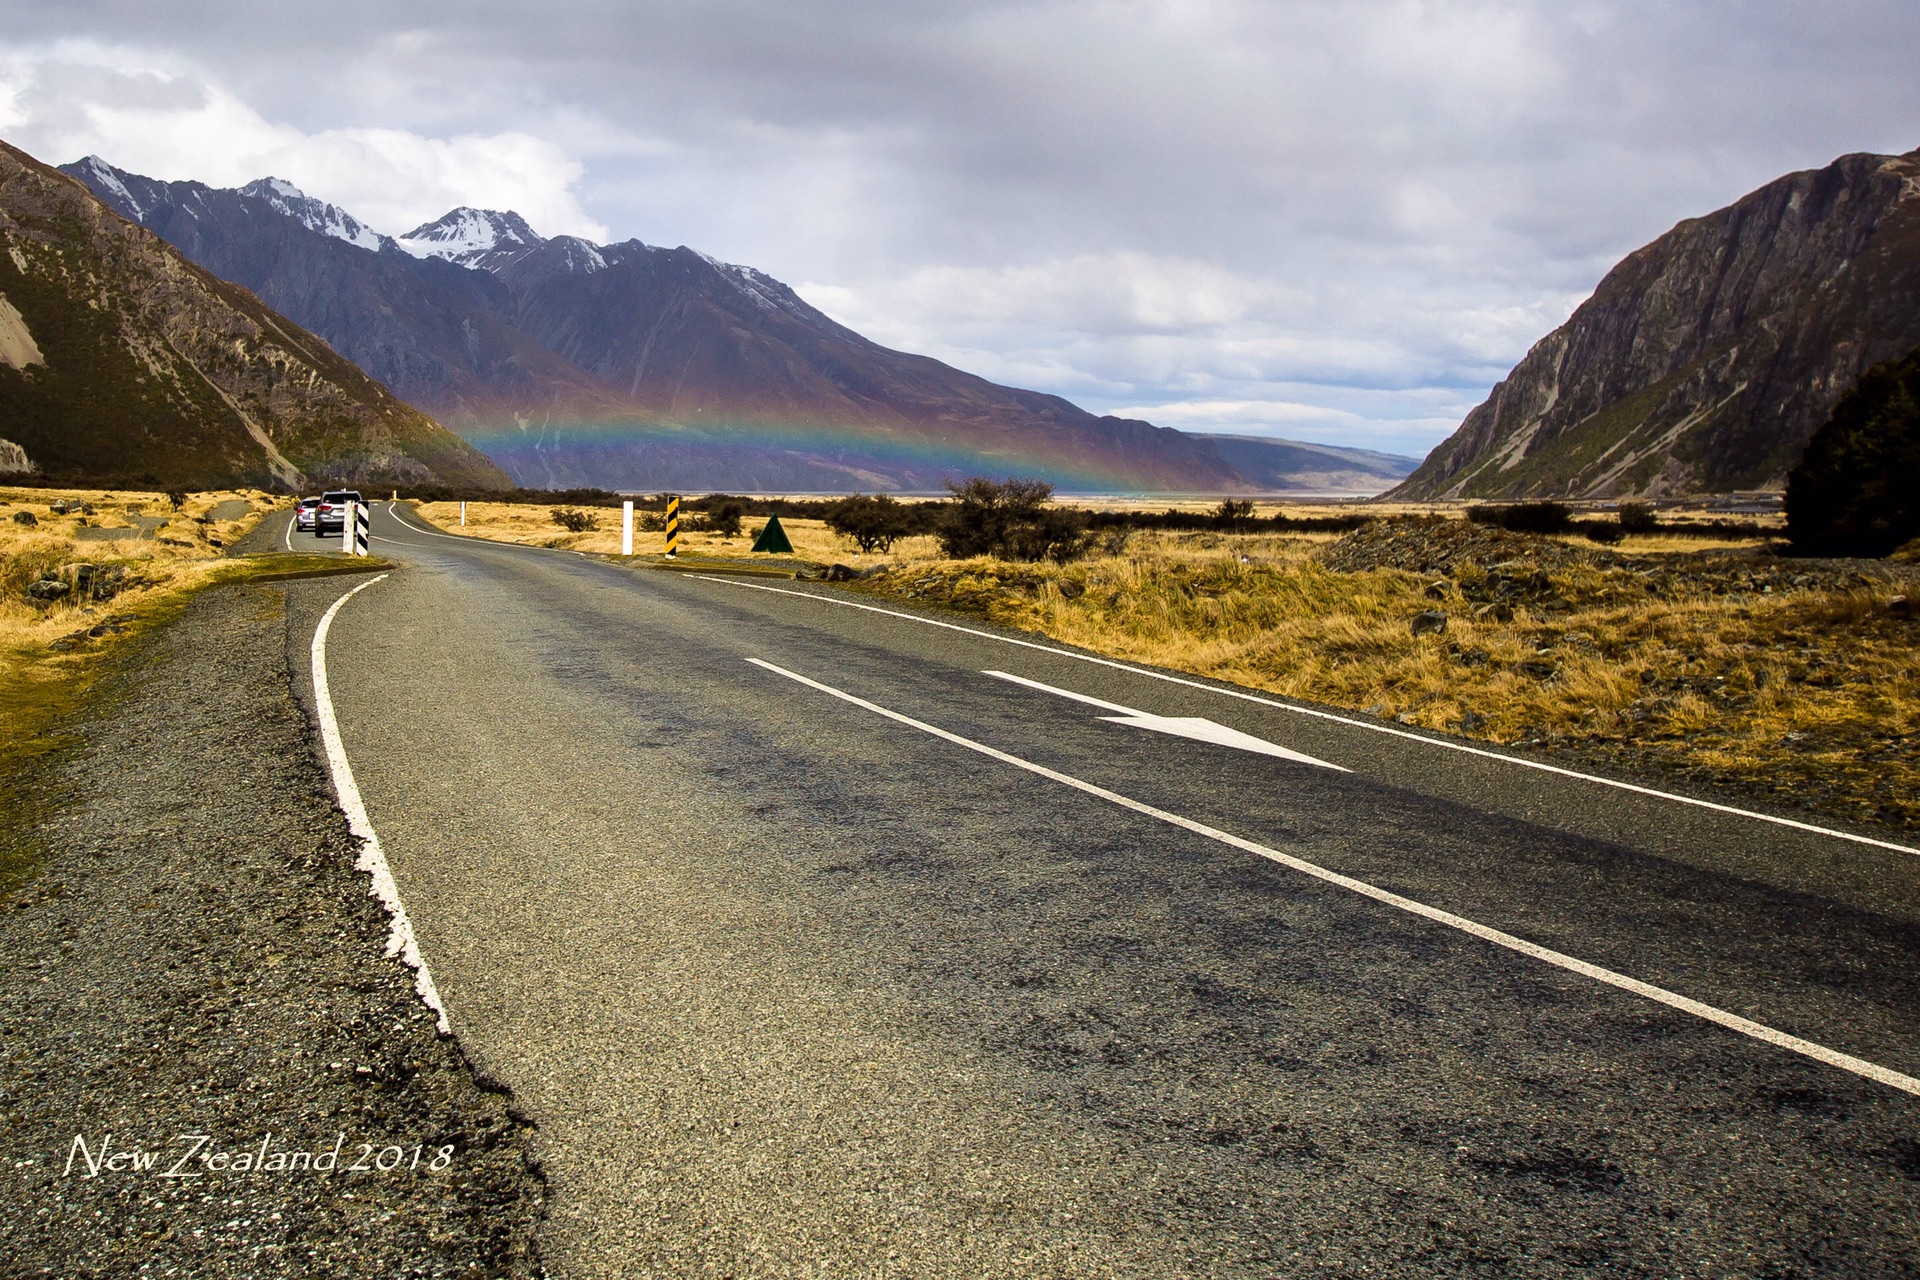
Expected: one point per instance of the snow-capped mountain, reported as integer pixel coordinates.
(483, 238)
(634, 366)
(315, 215)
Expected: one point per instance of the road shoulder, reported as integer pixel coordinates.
(200, 957)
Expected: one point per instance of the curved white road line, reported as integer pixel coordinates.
(1328, 715)
(394, 511)
(1672, 999)
(372, 860)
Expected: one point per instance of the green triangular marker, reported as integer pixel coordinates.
(773, 538)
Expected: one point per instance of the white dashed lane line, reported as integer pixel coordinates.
(1244, 696)
(1660, 995)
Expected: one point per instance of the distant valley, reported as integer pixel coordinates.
(633, 366)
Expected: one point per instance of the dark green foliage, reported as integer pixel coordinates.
(721, 514)
(1233, 513)
(1638, 517)
(1856, 491)
(1010, 519)
(1603, 531)
(874, 523)
(1525, 517)
(574, 520)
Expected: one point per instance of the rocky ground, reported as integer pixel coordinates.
(199, 972)
(1472, 553)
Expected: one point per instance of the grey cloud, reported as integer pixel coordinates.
(1429, 184)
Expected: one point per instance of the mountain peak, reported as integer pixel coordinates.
(97, 172)
(315, 215)
(486, 238)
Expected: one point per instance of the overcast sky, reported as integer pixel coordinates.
(1336, 220)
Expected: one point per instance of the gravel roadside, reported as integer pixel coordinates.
(200, 973)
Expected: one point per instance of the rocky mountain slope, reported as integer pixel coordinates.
(120, 361)
(1705, 361)
(635, 366)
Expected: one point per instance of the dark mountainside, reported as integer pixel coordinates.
(1705, 361)
(630, 365)
(120, 361)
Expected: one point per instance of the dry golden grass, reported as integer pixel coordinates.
(534, 526)
(40, 684)
(1811, 694)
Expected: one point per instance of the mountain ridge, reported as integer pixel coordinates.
(1705, 360)
(126, 361)
(630, 365)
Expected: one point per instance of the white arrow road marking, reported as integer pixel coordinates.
(1195, 727)
(1442, 744)
(1486, 933)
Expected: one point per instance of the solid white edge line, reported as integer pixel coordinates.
(393, 511)
(372, 859)
(1244, 696)
(1710, 1013)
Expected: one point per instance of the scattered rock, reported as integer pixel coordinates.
(25, 517)
(47, 589)
(1071, 588)
(95, 582)
(1538, 669)
(1432, 622)
(1439, 590)
(1471, 721)
(1493, 613)
(1902, 607)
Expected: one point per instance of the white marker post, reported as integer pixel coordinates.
(463, 515)
(346, 529)
(626, 527)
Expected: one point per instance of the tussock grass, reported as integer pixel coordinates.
(1811, 695)
(534, 526)
(41, 685)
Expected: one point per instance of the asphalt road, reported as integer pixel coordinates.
(816, 950)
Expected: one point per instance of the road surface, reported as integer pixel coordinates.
(824, 940)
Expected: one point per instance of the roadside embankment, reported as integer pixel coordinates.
(1790, 681)
(196, 985)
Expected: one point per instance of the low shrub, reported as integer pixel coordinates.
(574, 520)
(874, 523)
(1525, 517)
(1010, 519)
(1638, 517)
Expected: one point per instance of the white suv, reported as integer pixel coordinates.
(331, 515)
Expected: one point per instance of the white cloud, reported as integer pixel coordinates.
(170, 122)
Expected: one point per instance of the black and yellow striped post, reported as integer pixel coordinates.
(673, 526)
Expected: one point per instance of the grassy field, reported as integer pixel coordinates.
(1672, 654)
(52, 653)
(534, 526)
(1678, 661)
